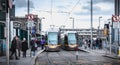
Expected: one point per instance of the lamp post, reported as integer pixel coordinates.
(99, 26)
(40, 24)
(110, 34)
(28, 31)
(91, 9)
(72, 21)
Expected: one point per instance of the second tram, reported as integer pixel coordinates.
(70, 41)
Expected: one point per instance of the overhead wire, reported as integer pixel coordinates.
(72, 10)
(68, 13)
(51, 11)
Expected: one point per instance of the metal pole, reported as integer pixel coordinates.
(73, 23)
(41, 22)
(91, 23)
(28, 7)
(110, 34)
(7, 36)
(28, 31)
(99, 27)
(118, 39)
(118, 32)
(28, 24)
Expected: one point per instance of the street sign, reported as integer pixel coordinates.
(31, 16)
(16, 25)
(115, 18)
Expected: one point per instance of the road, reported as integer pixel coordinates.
(69, 58)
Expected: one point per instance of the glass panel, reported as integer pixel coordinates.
(52, 38)
(71, 38)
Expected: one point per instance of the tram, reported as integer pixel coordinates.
(52, 41)
(69, 42)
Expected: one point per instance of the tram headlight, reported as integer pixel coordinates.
(52, 46)
(72, 45)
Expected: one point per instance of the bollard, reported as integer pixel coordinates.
(76, 55)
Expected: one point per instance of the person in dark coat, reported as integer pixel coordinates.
(24, 47)
(18, 42)
(13, 48)
(33, 46)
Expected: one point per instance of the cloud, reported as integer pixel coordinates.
(86, 10)
(23, 3)
(99, 7)
(62, 7)
(101, 1)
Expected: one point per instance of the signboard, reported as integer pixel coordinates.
(16, 25)
(31, 16)
(115, 18)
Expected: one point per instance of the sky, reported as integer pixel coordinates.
(58, 12)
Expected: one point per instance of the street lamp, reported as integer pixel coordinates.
(28, 31)
(91, 10)
(99, 26)
(73, 21)
(110, 34)
(52, 27)
(100, 20)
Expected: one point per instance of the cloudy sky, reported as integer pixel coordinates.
(58, 12)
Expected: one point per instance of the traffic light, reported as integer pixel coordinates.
(105, 32)
(106, 29)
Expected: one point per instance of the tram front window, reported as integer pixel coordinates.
(71, 38)
(52, 38)
(52, 42)
(72, 41)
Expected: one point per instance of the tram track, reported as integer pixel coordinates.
(54, 58)
(65, 58)
(68, 58)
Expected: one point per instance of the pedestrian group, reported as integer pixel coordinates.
(17, 47)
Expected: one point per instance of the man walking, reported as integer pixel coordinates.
(14, 48)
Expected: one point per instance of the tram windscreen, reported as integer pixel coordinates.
(71, 38)
(52, 38)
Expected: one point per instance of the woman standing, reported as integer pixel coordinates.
(24, 47)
